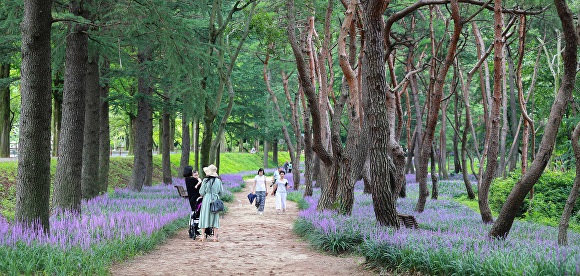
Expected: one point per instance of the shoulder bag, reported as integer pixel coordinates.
(217, 205)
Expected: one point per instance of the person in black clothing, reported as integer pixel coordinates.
(192, 183)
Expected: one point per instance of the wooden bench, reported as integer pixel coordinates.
(408, 221)
(182, 192)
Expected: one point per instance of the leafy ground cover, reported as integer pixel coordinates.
(451, 239)
(111, 227)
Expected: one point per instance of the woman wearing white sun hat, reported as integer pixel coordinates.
(210, 189)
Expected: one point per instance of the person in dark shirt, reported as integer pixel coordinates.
(192, 184)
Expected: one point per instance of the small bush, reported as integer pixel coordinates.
(550, 195)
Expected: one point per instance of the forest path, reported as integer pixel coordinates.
(249, 244)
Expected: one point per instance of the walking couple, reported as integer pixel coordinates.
(279, 188)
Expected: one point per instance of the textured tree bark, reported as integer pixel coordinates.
(90, 156)
(308, 152)
(104, 133)
(374, 87)
(350, 159)
(5, 122)
(32, 185)
(67, 191)
(143, 126)
(503, 224)
(571, 201)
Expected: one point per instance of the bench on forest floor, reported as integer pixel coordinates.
(182, 192)
(408, 221)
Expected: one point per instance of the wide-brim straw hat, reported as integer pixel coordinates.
(210, 170)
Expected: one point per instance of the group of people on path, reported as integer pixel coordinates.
(210, 187)
(278, 187)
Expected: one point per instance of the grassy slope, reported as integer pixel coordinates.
(121, 169)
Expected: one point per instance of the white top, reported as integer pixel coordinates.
(260, 181)
(281, 185)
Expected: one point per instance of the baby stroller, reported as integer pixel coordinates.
(194, 222)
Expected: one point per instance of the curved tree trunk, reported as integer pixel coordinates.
(32, 187)
(504, 222)
(435, 103)
(571, 201)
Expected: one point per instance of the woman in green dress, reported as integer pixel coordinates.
(211, 188)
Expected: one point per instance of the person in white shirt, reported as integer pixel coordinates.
(260, 189)
(280, 191)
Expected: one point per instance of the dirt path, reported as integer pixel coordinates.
(249, 245)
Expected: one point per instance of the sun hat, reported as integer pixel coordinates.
(210, 170)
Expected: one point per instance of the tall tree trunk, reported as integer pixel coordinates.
(434, 106)
(571, 201)
(172, 133)
(513, 117)
(457, 119)
(143, 125)
(67, 189)
(265, 159)
(166, 142)
(160, 138)
(495, 117)
(308, 151)
(206, 141)
(434, 180)
(196, 143)
(5, 122)
(374, 86)
(56, 112)
(442, 158)
(131, 140)
(90, 170)
(504, 222)
(32, 186)
(185, 146)
(295, 122)
(104, 132)
(504, 125)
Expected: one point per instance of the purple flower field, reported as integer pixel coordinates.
(451, 238)
(115, 216)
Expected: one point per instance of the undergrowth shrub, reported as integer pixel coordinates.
(550, 195)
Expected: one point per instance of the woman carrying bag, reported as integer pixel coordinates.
(211, 189)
